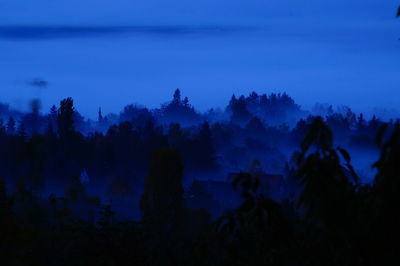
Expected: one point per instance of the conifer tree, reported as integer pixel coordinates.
(65, 121)
(10, 126)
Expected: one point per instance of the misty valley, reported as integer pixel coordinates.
(261, 181)
(280, 145)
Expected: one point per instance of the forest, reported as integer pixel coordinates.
(260, 182)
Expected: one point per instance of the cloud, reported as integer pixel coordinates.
(183, 11)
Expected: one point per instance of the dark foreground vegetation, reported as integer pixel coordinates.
(262, 182)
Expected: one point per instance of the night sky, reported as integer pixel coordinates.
(110, 53)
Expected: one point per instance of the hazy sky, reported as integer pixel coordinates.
(343, 51)
(194, 11)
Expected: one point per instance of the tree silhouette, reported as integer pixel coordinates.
(257, 231)
(10, 126)
(2, 128)
(6, 223)
(327, 185)
(239, 111)
(100, 116)
(65, 118)
(162, 202)
(185, 102)
(177, 110)
(4, 208)
(21, 132)
(325, 216)
(177, 97)
(387, 180)
(361, 123)
(205, 152)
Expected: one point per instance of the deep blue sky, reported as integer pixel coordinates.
(342, 52)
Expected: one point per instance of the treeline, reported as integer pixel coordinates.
(123, 194)
(331, 220)
(252, 127)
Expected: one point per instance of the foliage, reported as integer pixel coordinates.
(151, 190)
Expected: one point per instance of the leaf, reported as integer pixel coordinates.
(345, 154)
(353, 174)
